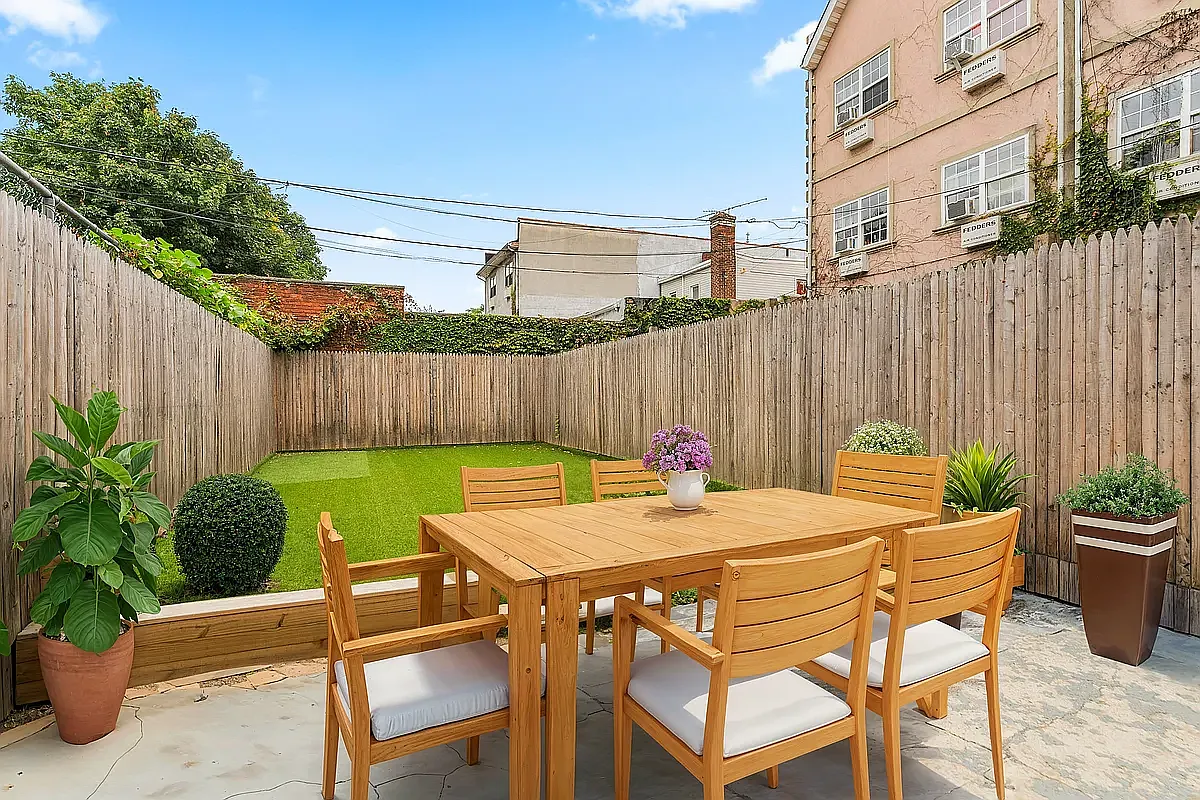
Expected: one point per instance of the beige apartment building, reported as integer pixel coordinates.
(924, 115)
(566, 269)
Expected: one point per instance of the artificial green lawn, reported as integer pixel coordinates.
(375, 498)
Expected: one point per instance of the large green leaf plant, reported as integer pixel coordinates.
(92, 518)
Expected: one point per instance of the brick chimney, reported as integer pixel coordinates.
(722, 255)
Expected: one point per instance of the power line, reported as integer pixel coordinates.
(326, 188)
(103, 192)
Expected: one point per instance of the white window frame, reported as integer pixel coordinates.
(851, 220)
(843, 97)
(979, 185)
(980, 17)
(1186, 124)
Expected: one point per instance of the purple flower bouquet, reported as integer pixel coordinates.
(679, 449)
(684, 454)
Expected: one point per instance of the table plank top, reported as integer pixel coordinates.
(632, 536)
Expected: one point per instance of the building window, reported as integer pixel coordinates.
(1149, 122)
(674, 294)
(863, 90)
(993, 180)
(492, 287)
(508, 278)
(981, 24)
(696, 292)
(861, 223)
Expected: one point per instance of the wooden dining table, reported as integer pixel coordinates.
(558, 556)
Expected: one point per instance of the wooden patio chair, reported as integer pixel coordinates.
(735, 707)
(612, 479)
(940, 570)
(386, 701)
(916, 482)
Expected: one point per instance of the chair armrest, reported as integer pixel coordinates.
(396, 567)
(884, 601)
(687, 643)
(374, 648)
(887, 580)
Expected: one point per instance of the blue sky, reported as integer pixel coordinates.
(668, 107)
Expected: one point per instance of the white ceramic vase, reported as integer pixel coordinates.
(685, 490)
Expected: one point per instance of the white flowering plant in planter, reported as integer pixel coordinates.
(888, 437)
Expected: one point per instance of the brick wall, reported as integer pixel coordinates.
(304, 301)
(723, 255)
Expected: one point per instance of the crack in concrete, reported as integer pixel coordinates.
(141, 734)
(273, 788)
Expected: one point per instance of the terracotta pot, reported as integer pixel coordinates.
(86, 689)
(1122, 575)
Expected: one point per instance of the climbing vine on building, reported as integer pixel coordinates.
(1105, 198)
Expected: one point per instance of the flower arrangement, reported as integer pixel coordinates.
(679, 449)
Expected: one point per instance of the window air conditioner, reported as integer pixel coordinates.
(961, 50)
(959, 209)
(842, 245)
(844, 116)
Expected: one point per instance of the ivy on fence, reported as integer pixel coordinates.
(390, 328)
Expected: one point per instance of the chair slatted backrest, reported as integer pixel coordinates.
(616, 478)
(945, 569)
(498, 489)
(916, 482)
(335, 575)
(778, 612)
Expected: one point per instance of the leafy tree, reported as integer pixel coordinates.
(259, 233)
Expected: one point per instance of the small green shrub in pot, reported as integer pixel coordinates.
(886, 436)
(1138, 490)
(229, 532)
(978, 479)
(1124, 521)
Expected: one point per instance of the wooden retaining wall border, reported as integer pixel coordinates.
(189, 639)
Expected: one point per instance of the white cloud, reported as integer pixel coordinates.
(786, 56)
(674, 13)
(72, 20)
(48, 58)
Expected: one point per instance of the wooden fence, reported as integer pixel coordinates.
(337, 400)
(1073, 357)
(74, 321)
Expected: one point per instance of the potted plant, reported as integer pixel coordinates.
(981, 481)
(1123, 521)
(682, 454)
(886, 436)
(91, 524)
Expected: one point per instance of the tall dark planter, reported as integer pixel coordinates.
(1122, 575)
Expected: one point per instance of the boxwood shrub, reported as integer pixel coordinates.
(229, 533)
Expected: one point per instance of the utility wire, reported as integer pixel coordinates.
(321, 187)
(102, 192)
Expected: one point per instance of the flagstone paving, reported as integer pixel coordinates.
(1075, 726)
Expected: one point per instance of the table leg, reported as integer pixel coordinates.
(429, 584)
(524, 690)
(562, 644)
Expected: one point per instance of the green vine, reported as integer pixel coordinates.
(386, 327)
(1106, 197)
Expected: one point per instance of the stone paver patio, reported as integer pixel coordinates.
(1075, 726)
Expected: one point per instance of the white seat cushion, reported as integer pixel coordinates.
(930, 649)
(761, 710)
(606, 605)
(413, 692)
